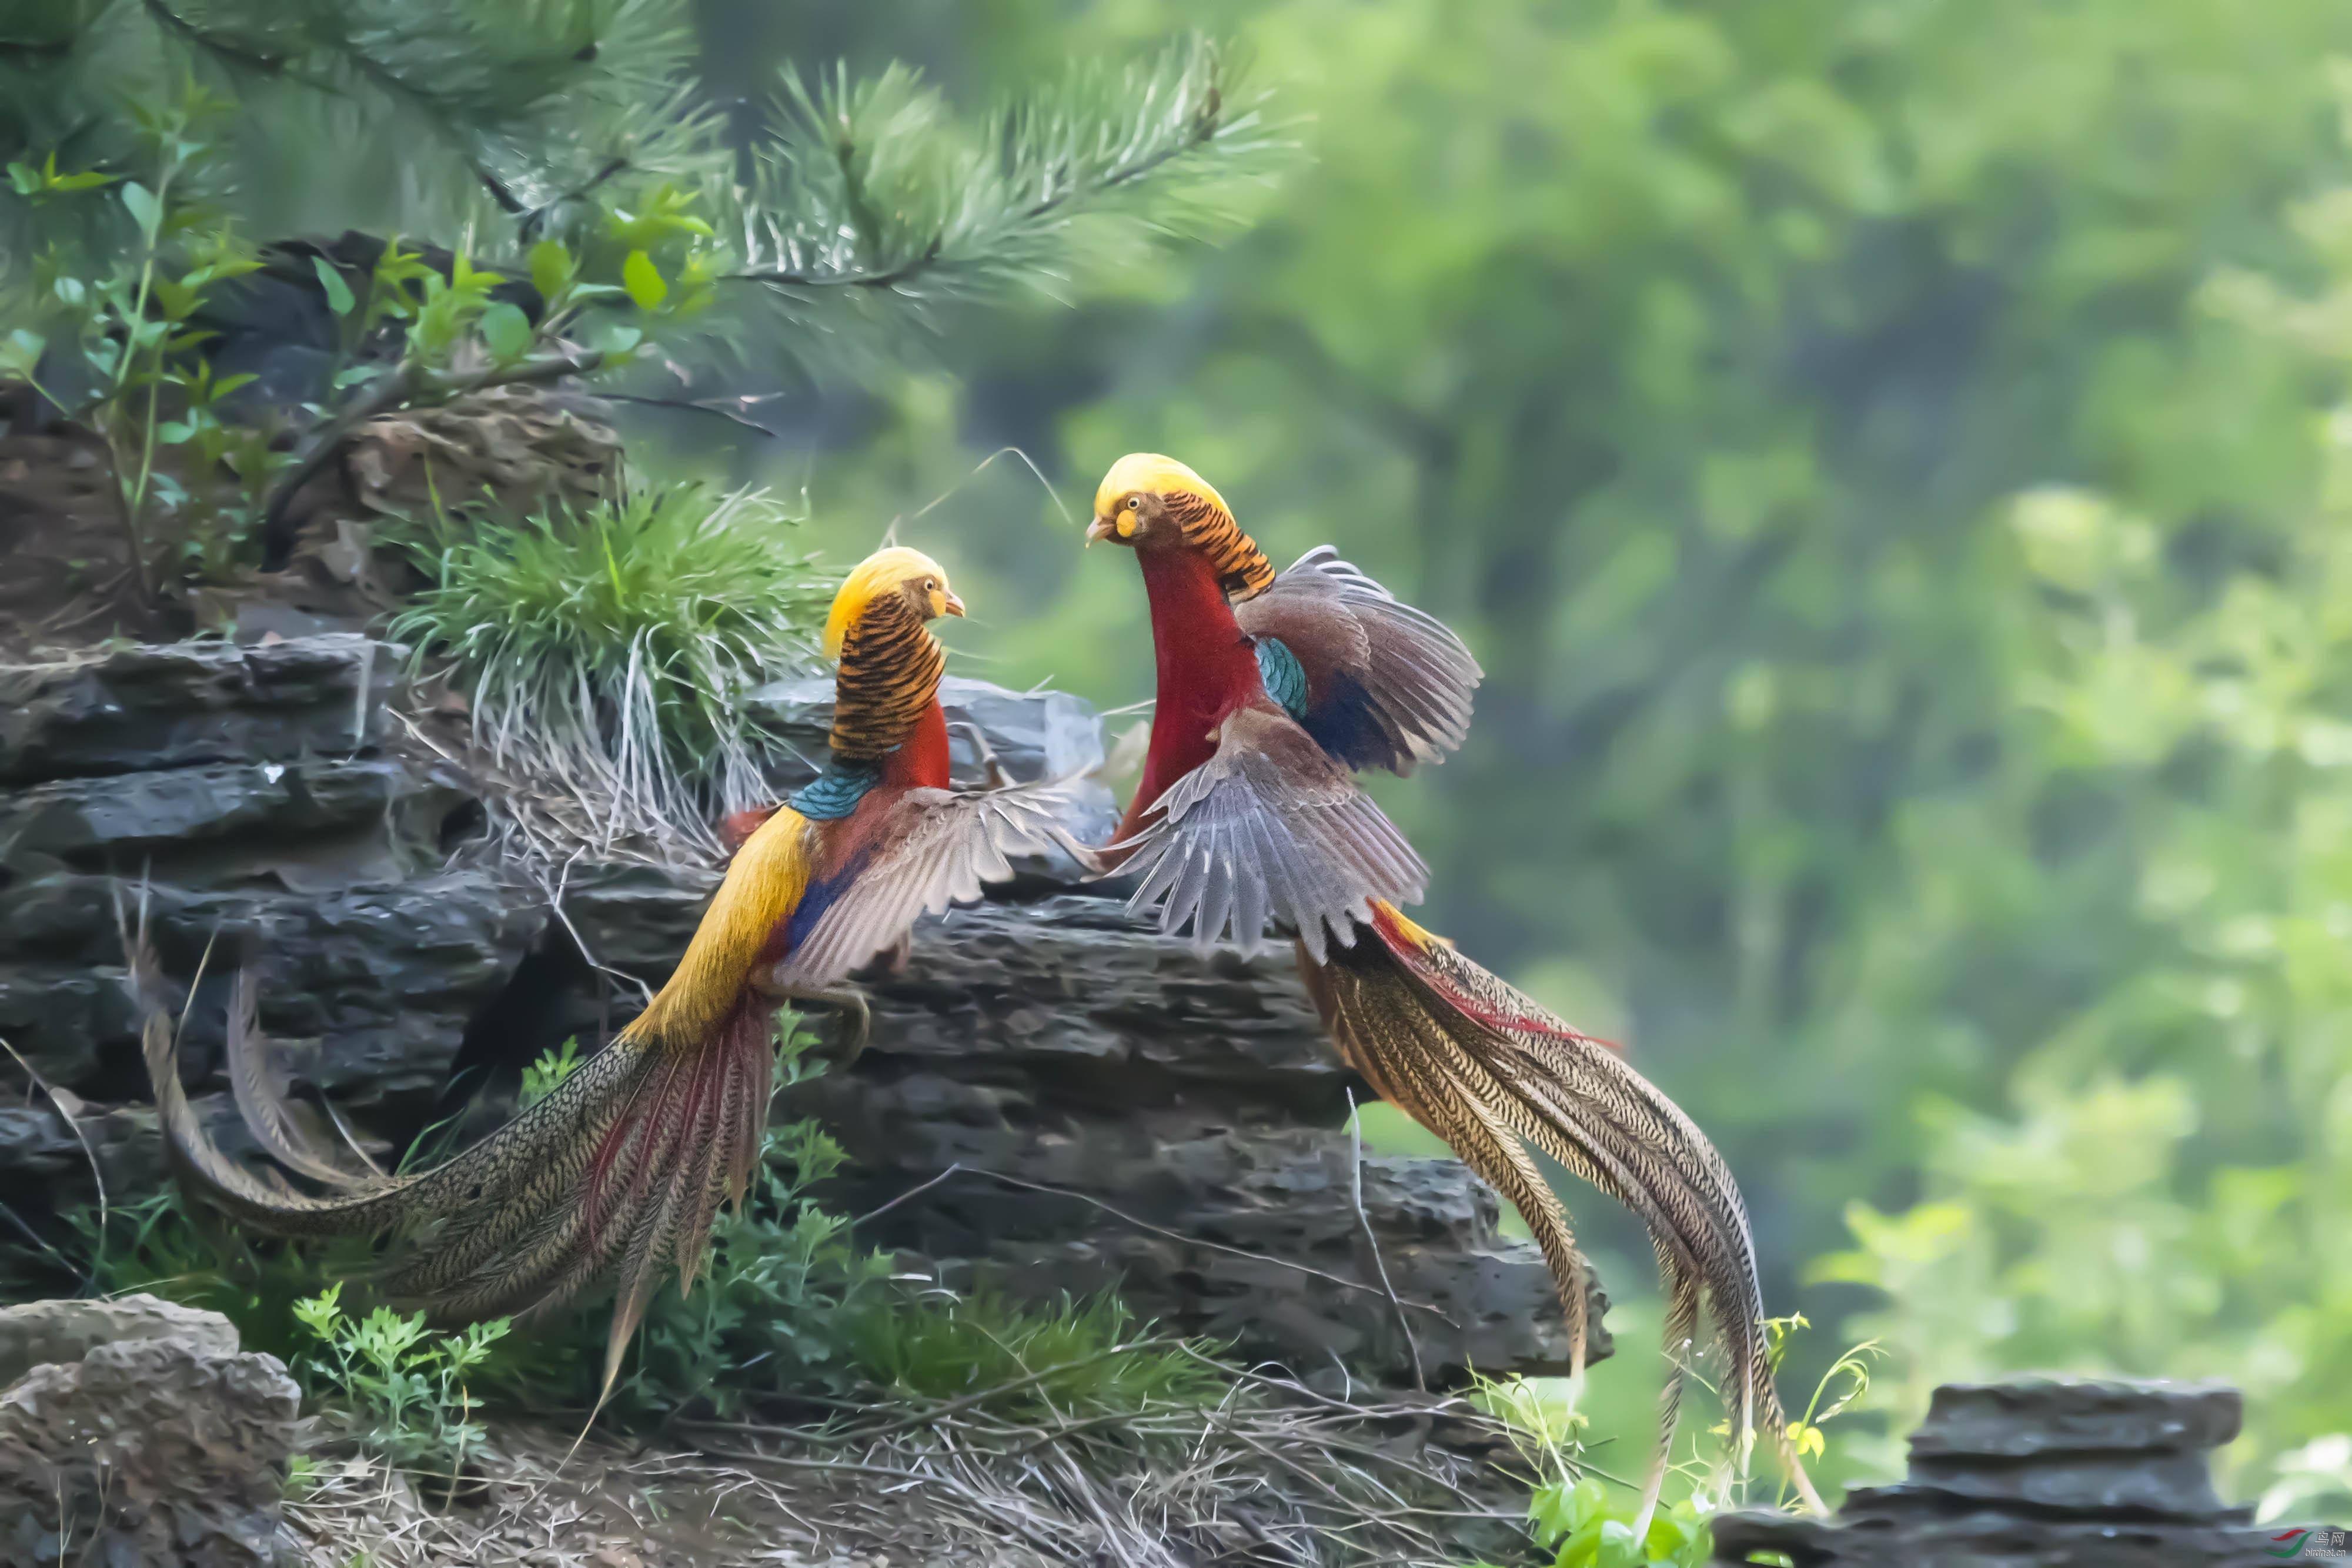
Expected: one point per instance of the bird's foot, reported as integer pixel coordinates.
(843, 1047)
(992, 767)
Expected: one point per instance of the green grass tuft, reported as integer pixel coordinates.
(606, 651)
(1079, 1357)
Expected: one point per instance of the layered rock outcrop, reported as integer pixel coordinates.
(1055, 1098)
(2040, 1473)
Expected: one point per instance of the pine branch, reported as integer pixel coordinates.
(506, 88)
(531, 99)
(873, 188)
(232, 50)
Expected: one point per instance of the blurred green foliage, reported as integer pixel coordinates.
(1887, 456)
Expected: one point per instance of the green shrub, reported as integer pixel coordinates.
(767, 1315)
(787, 1304)
(403, 1388)
(764, 1318)
(605, 653)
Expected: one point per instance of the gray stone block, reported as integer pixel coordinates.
(186, 703)
(147, 1451)
(37, 1332)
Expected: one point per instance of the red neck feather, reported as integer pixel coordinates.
(1207, 669)
(920, 760)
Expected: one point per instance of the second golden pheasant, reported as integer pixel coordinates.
(1272, 687)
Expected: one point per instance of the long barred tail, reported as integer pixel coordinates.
(1485, 1068)
(621, 1170)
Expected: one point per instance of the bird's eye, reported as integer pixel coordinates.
(930, 585)
(1135, 503)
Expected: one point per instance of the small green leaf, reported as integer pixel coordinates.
(550, 268)
(1668, 1535)
(24, 177)
(320, 1313)
(644, 281)
(506, 329)
(144, 209)
(1617, 1547)
(1553, 1512)
(1581, 1550)
(330, 279)
(176, 299)
(351, 375)
(20, 352)
(172, 432)
(621, 341)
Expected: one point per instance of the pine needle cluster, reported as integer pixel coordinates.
(513, 121)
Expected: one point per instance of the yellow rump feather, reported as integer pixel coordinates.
(762, 886)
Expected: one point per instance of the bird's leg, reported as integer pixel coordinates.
(991, 767)
(846, 999)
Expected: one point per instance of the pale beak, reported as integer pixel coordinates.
(1100, 529)
(952, 605)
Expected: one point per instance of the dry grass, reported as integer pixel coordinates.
(1274, 1475)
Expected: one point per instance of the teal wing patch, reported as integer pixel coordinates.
(1284, 679)
(834, 793)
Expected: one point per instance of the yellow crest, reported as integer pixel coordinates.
(882, 572)
(1160, 476)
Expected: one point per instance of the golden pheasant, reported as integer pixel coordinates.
(1272, 687)
(623, 1169)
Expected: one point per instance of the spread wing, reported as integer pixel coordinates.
(933, 848)
(1270, 828)
(1386, 686)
